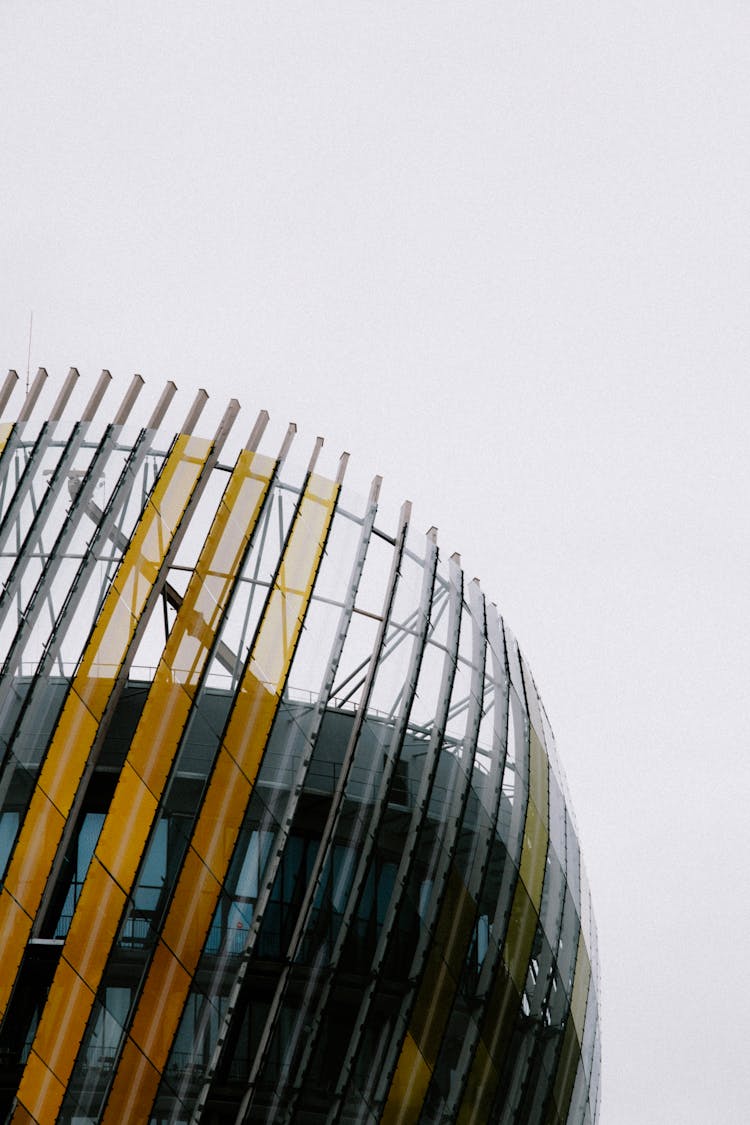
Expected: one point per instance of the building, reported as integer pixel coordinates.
(283, 835)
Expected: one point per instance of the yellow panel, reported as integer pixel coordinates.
(480, 1089)
(221, 816)
(22, 1116)
(44, 1093)
(133, 1102)
(443, 967)
(497, 1028)
(66, 1010)
(126, 827)
(134, 580)
(134, 806)
(251, 717)
(433, 1003)
(66, 760)
(101, 663)
(539, 769)
(161, 1001)
(293, 585)
(500, 1015)
(92, 929)
(581, 981)
(502, 1008)
(76, 730)
(456, 922)
(520, 936)
(534, 854)
(197, 892)
(185, 931)
(159, 731)
(408, 1088)
(566, 1070)
(188, 457)
(15, 927)
(40, 834)
(274, 644)
(435, 996)
(6, 429)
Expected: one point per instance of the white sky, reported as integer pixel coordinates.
(500, 252)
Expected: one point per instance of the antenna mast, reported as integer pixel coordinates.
(28, 356)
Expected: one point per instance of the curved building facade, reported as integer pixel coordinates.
(283, 834)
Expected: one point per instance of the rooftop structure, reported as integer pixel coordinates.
(283, 833)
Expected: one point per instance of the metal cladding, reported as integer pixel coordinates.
(283, 834)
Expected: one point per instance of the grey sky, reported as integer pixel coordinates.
(501, 253)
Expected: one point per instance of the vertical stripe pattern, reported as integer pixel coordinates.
(283, 836)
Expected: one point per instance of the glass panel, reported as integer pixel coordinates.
(154, 744)
(40, 834)
(221, 816)
(77, 728)
(152, 1030)
(126, 827)
(40, 1095)
(67, 1007)
(566, 1070)
(580, 988)
(185, 930)
(132, 811)
(409, 1085)
(534, 858)
(521, 929)
(8, 832)
(92, 930)
(14, 932)
(197, 894)
(134, 1102)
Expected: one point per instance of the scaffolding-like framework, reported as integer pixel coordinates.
(283, 833)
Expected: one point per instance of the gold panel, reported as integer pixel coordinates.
(15, 927)
(126, 827)
(84, 707)
(497, 1028)
(436, 991)
(66, 759)
(188, 457)
(433, 1003)
(502, 1007)
(93, 928)
(566, 1070)
(167, 984)
(185, 932)
(43, 1091)
(581, 980)
(220, 819)
(134, 806)
(534, 854)
(477, 1099)
(409, 1086)
(539, 771)
(22, 1116)
(40, 833)
(520, 936)
(216, 831)
(252, 714)
(57, 1039)
(133, 1104)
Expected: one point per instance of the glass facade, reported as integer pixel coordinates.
(283, 835)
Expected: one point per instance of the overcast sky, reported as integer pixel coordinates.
(501, 253)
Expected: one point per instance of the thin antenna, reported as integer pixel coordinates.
(28, 354)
